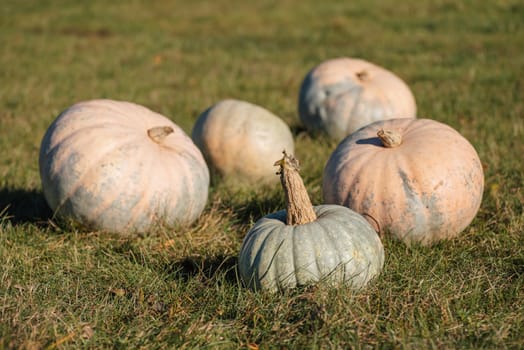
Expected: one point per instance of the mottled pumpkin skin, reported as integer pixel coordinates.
(427, 189)
(241, 140)
(99, 167)
(340, 247)
(342, 95)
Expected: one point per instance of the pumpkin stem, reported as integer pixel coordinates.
(362, 75)
(299, 208)
(389, 138)
(159, 133)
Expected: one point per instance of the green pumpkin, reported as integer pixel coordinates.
(305, 244)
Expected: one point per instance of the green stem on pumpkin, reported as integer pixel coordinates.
(362, 75)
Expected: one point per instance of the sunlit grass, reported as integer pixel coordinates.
(178, 287)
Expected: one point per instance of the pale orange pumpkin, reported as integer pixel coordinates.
(417, 179)
(118, 166)
(239, 140)
(344, 94)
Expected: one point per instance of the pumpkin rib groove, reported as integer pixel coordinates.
(281, 260)
(342, 253)
(309, 267)
(414, 129)
(361, 267)
(294, 256)
(74, 133)
(77, 111)
(425, 196)
(260, 254)
(425, 203)
(373, 177)
(115, 110)
(380, 185)
(98, 212)
(192, 177)
(351, 116)
(185, 184)
(241, 129)
(115, 195)
(340, 256)
(273, 263)
(315, 246)
(334, 199)
(331, 244)
(65, 153)
(393, 181)
(258, 234)
(359, 246)
(79, 182)
(218, 142)
(89, 143)
(145, 191)
(180, 179)
(332, 240)
(358, 160)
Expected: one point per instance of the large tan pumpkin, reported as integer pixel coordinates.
(121, 167)
(240, 140)
(344, 94)
(427, 188)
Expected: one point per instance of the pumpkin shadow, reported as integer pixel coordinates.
(20, 206)
(297, 129)
(246, 205)
(301, 132)
(218, 269)
(256, 209)
(375, 141)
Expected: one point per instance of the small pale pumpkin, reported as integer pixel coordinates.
(118, 166)
(237, 138)
(344, 94)
(306, 244)
(417, 179)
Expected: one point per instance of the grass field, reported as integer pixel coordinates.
(178, 287)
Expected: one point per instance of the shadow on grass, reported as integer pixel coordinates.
(24, 206)
(217, 269)
(297, 129)
(257, 209)
(320, 137)
(245, 203)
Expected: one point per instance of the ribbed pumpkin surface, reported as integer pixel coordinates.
(338, 247)
(344, 94)
(427, 189)
(98, 166)
(241, 140)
